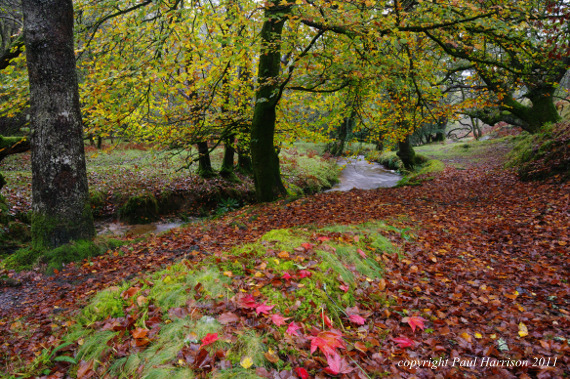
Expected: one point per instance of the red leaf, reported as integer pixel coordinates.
(209, 339)
(307, 246)
(278, 319)
(344, 287)
(303, 374)
(248, 302)
(414, 322)
(404, 342)
(326, 319)
(305, 274)
(287, 276)
(264, 308)
(357, 319)
(323, 239)
(362, 253)
(327, 342)
(337, 365)
(293, 329)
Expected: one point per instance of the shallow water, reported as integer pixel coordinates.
(117, 228)
(358, 173)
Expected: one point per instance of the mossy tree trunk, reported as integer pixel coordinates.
(406, 153)
(265, 160)
(227, 170)
(60, 196)
(204, 163)
(244, 160)
(540, 112)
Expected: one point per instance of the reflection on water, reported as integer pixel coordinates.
(358, 173)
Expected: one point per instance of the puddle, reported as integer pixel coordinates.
(360, 174)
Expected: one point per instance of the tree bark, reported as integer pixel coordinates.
(204, 163)
(265, 160)
(60, 196)
(227, 170)
(406, 153)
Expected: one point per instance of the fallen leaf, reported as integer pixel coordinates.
(293, 329)
(278, 319)
(337, 365)
(210, 338)
(357, 319)
(327, 342)
(404, 342)
(264, 308)
(228, 318)
(246, 362)
(139, 333)
(523, 330)
(414, 322)
(303, 374)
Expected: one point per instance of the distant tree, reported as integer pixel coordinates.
(60, 197)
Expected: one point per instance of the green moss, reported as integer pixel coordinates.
(248, 344)
(140, 209)
(4, 215)
(420, 174)
(543, 155)
(236, 373)
(28, 257)
(49, 231)
(95, 345)
(107, 303)
(174, 287)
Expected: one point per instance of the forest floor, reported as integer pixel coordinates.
(478, 287)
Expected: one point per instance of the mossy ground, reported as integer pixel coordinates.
(179, 306)
(543, 155)
(53, 259)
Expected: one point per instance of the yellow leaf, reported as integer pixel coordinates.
(246, 362)
(523, 330)
(466, 336)
(229, 274)
(478, 335)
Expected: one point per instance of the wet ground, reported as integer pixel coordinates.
(361, 174)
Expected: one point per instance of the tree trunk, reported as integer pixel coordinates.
(345, 128)
(244, 160)
(204, 163)
(265, 160)
(60, 196)
(227, 170)
(406, 153)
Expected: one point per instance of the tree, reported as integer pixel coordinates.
(60, 197)
(519, 58)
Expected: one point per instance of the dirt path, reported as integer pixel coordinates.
(490, 253)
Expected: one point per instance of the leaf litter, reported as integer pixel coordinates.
(479, 271)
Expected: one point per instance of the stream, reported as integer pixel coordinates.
(357, 173)
(361, 174)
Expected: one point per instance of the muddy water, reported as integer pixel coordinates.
(358, 173)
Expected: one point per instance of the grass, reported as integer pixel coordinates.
(338, 254)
